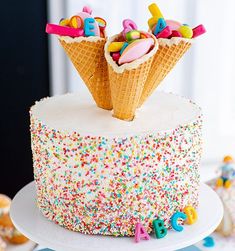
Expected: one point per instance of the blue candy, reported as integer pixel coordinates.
(89, 27)
(161, 25)
(123, 47)
(174, 221)
(208, 242)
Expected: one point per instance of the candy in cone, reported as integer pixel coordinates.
(87, 55)
(127, 81)
(169, 53)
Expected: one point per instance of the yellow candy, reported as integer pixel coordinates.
(186, 31)
(64, 22)
(155, 11)
(76, 22)
(191, 214)
(115, 46)
(156, 14)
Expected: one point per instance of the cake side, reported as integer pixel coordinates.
(106, 184)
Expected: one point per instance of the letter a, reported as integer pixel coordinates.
(140, 233)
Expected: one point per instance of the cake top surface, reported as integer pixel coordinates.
(77, 113)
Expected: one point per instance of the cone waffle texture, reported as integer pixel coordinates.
(87, 55)
(127, 81)
(169, 53)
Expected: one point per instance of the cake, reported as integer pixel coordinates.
(100, 175)
(122, 164)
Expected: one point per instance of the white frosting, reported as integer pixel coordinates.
(75, 112)
(173, 41)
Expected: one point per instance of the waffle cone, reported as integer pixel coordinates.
(168, 54)
(127, 82)
(87, 55)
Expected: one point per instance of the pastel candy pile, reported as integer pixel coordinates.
(135, 44)
(81, 24)
(162, 28)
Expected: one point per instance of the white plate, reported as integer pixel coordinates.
(27, 218)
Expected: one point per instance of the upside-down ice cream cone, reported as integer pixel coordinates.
(127, 81)
(87, 56)
(169, 53)
(83, 39)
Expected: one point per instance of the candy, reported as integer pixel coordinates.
(101, 22)
(116, 56)
(174, 221)
(155, 11)
(208, 242)
(161, 24)
(115, 46)
(159, 229)
(186, 31)
(156, 14)
(64, 31)
(85, 15)
(64, 22)
(128, 25)
(132, 35)
(124, 47)
(175, 34)
(144, 35)
(89, 27)
(87, 10)
(164, 33)
(198, 31)
(191, 214)
(174, 25)
(140, 233)
(76, 22)
(136, 50)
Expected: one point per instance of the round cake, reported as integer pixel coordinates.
(100, 175)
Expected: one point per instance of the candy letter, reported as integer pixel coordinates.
(164, 33)
(186, 31)
(89, 27)
(208, 242)
(174, 25)
(174, 221)
(160, 230)
(87, 10)
(156, 13)
(76, 22)
(128, 25)
(199, 30)
(161, 24)
(115, 46)
(191, 215)
(140, 233)
(101, 22)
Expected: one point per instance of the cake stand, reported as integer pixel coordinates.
(28, 220)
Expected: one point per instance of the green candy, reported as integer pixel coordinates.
(132, 35)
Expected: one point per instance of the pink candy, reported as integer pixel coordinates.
(175, 34)
(140, 233)
(87, 10)
(128, 25)
(116, 56)
(198, 31)
(164, 33)
(64, 31)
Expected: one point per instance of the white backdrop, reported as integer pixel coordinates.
(206, 74)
